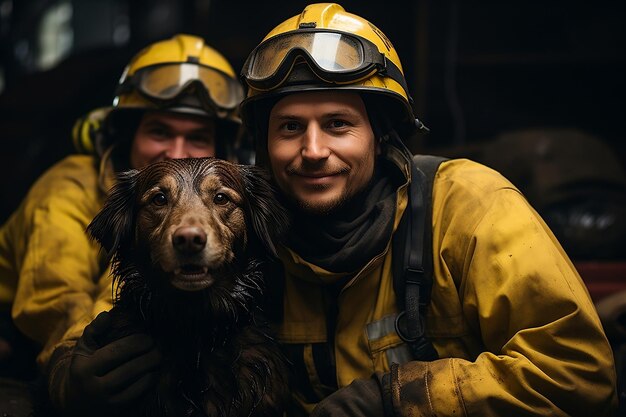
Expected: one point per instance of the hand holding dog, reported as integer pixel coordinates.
(101, 377)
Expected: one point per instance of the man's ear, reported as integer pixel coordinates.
(268, 217)
(113, 226)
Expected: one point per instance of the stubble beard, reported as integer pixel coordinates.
(321, 209)
(326, 208)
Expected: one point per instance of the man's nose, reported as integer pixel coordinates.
(177, 148)
(314, 146)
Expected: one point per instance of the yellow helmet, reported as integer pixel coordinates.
(182, 75)
(338, 50)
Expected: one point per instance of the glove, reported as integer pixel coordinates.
(99, 378)
(363, 397)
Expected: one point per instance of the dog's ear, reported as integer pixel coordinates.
(113, 226)
(269, 218)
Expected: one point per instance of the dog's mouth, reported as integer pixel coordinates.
(192, 277)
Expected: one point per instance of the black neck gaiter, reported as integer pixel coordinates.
(349, 237)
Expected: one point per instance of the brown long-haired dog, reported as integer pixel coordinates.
(188, 239)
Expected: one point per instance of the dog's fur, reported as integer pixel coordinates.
(188, 239)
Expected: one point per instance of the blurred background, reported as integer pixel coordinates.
(534, 89)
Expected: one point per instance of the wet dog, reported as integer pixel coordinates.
(188, 240)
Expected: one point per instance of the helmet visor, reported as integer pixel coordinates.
(167, 82)
(333, 57)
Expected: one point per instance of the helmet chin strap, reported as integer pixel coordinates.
(421, 127)
(392, 138)
(384, 128)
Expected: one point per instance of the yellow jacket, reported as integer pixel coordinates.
(510, 317)
(52, 276)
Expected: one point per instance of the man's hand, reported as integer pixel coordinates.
(363, 397)
(98, 378)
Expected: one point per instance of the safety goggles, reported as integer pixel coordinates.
(334, 57)
(165, 84)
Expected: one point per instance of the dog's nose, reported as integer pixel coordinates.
(189, 239)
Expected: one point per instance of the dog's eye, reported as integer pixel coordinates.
(159, 199)
(220, 198)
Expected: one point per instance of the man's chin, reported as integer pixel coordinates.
(319, 207)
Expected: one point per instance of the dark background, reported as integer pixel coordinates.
(476, 69)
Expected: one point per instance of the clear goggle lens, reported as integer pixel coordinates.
(333, 56)
(166, 82)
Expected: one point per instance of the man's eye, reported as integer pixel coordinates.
(220, 198)
(291, 126)
(159, 199)
(158, 131)
(338, 123)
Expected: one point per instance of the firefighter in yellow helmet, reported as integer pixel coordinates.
(399, 299)
(180, 76)
(177, 98)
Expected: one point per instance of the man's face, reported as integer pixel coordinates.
(163, 135)
(321, 148)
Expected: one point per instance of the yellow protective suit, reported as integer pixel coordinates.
(516, 331)
(52, 276)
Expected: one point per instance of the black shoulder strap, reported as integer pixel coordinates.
(412, 257)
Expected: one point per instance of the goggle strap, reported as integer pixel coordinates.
(393, 72)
